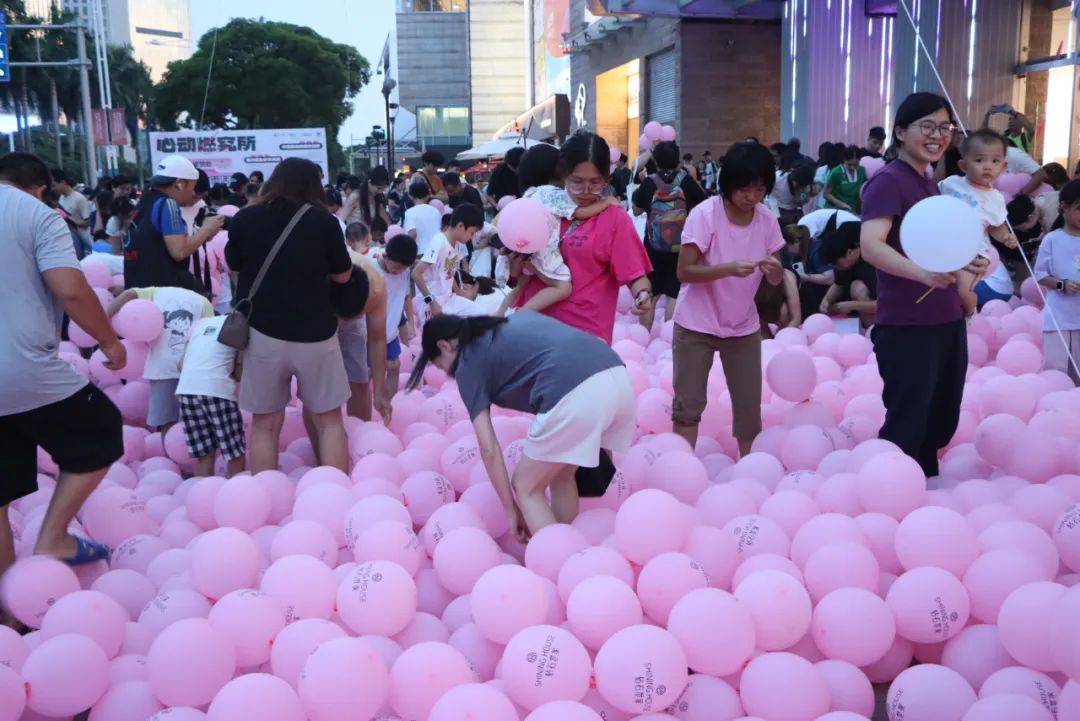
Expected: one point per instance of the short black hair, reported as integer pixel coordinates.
(623, 158)
(353, 182)
(1056, 175)
(59, 176)
(708, 152)
(239, 180)
(666, 155)
(379, 175)
(746, 164)
(122, 207)
(1070, 194)
(851, 152)
(794, 144)
(982, 136)
(539, 166)
(357, 231)
(918, 105)
(802, 175)
(877, 133)
(401, 249)
(585, 147)
(25, 170)
(219, 192)
(468, 215)
(513, 156)
(419, 189)
(123, 180)
(1020, 209)
(688, 157)
(836, 245)
(333, 198)
(249, 189)
(451, 179)
(202, 185)
(433, 157)
(779, 148)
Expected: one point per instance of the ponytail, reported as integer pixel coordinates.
(449, 327)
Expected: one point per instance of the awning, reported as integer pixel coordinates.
(497, 148)
(543, 121)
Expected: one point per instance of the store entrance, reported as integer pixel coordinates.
(618, 114)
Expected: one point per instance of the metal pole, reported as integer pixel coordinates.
(56, 126)
(389, 150)
(84, 82)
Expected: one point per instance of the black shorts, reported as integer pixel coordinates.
(82, 433)
(665, 273)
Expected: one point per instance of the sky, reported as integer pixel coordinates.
(363, 24)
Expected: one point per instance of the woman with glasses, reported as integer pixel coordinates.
(602, 252)
(920, 339)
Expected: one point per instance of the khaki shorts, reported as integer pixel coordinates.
(353, 338)
(598, 413)
(692, 354)
(271, 364)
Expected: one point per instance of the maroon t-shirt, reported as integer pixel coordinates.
(890, 194)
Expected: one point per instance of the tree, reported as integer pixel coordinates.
(265, 75)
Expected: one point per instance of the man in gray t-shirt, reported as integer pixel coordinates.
(44, 402)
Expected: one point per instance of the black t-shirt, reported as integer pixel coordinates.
(860, 271)
(620, 179)
(469, 194)
(643, 196)
(293, 302)
(237, 199)
(504, 181)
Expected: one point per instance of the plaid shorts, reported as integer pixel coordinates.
(212, 424)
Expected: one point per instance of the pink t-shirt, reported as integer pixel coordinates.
(725, 308)
(602, 253)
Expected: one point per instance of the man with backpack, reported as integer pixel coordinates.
(667, 196)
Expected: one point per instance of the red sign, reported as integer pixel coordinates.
(118, 127)
(99, 123)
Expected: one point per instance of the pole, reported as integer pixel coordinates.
(84, 83)
(56, 121)
(389, 150)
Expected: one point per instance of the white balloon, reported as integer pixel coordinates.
(941, 234)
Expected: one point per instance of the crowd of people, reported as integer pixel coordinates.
(330, 283)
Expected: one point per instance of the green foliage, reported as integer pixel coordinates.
(265, 75)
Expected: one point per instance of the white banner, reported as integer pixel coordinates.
(223, 152)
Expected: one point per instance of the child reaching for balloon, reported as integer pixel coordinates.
(539, 175)
(983, 161)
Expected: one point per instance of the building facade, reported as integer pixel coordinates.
(498, 64)
(158, 31)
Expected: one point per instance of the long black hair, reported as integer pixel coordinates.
(449, 327)
(585, 147)
(539, 166)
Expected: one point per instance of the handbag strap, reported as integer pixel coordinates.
(274, 251)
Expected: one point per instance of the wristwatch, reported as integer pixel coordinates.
(428, 300)
(1060, 285)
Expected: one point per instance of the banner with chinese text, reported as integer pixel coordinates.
(223, 152)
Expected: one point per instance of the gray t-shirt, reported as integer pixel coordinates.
(35, 239)
(528, 364)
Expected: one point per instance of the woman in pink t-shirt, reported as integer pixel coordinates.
(728, 244)
(603, 252)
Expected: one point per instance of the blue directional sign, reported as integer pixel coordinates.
(5, 68)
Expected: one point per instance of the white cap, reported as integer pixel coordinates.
(174, 167)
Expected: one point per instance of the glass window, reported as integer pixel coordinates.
(431, 6)
(443, 124)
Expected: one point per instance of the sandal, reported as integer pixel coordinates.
(87, 552)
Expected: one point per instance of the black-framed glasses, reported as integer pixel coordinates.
(929, 128)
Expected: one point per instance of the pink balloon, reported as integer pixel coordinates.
(755, 535)
(1024, 623)
(628, 656)
(649, 523)
(891, 483)
(65, 675)
(1025, 682)
(667, 133)
(126, 701)
(475, 701)
(189, 662)
(599, 607)
(930, 605)
(242, 503)
(139, 320)
(645, 143)
(939, 537)
(463, 556)
(306, 538)
(378, 597)
(931, 693)
(173, 605)
(323, 504)
(13, 648)
(849, 688)
(853, 625)
(1025, 537)
(1008, 707)
(722, 502)
(295, 642)
(665, 579)
(871, 165)
(993, 576)
(593, 561)
(543, 664)
(112, 514)
(88, 613)
(653, 130)
(1065, 644)
(791, 375)
(823, 530)
(32, 584)
(976, 653)
(780, 606)
(805, 446)
(251, 620)
(483, 655)
(507, 599)
(256, 695)
(805, 693)
(344, 678)
(304, 585)
(424, 493)
(679, 473)
(524, 226)
(564, 711)
(841, 565)
(715, 630)
(422, 674)
(551, 546)
(224, 560)
(716, 552)
(12, 695)
(371, 510)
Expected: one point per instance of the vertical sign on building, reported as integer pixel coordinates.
(5, 67)
(118, 133)
(99, 123)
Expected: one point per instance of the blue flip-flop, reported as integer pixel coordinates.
(88, 552)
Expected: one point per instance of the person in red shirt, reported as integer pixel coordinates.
(603, 252)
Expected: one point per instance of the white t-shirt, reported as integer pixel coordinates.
(1059, 256)
(816, 221)
(444, 259)
(397, 290)
(190, 212)
(182, 308)
(820, 178)
(78, 207)
(208, 365)
(991, 206)
(1049, 205)
(115, 263)
(489, 304)
(426, 221)
(1018, 161)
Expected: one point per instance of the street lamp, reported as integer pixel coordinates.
(388, 87)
